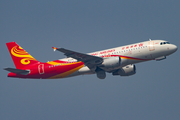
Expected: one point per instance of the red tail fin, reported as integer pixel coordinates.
(20, 57)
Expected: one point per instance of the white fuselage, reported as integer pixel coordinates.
(131, 54)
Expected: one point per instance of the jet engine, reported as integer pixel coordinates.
(111, 62)
(126, 71)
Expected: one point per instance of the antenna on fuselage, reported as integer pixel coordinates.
(149, 39)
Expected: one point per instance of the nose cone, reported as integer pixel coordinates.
(171, 49)
(174, 48)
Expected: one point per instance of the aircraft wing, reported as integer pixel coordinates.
(88, 60)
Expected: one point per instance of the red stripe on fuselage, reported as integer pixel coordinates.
(132, 58)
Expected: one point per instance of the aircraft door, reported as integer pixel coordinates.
(41, 68)
(151, 46)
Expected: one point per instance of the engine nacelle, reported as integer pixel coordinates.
(126, 71)
(111, 62)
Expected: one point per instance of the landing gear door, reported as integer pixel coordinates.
(41, 69)
(151, 46)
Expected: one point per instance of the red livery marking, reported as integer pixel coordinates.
(141, 44)
(103, 52)
(127, 47)
(94, 54)
(132, 58)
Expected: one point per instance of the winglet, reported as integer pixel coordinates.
(54, 48)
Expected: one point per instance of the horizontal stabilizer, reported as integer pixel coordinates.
(17, 71)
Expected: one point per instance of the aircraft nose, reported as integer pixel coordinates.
(174, 48)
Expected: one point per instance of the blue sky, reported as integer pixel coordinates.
(87, 26)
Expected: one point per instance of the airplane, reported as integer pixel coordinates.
(118, 61)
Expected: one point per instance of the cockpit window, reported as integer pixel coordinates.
(163, 43)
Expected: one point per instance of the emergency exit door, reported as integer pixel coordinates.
(41, 69)
(151, 46)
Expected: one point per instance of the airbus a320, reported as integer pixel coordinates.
(118, 61)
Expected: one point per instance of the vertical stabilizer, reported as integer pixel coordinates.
(20, 57)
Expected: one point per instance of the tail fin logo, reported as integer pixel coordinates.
(17, 51)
